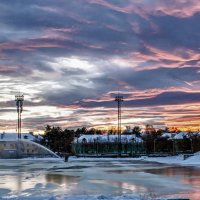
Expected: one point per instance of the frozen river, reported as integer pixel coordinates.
(31, 179)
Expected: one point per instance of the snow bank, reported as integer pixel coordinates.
(192, 161)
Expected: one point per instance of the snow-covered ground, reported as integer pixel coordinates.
(179, 160)
(190, 161)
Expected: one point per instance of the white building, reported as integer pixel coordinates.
(12, 147)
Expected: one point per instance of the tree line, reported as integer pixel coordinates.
(59, 140)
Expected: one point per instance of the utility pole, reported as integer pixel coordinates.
(119, 100)
(19, 103)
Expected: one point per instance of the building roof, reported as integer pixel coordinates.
(107, 138)
(168, 135)
(181, 135)
(14, 136)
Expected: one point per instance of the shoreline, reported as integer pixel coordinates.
(193, 161)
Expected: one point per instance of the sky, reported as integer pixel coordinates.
(71, 58)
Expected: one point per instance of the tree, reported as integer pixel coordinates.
(78, 132)
(112, 131)
(167, 129)
(99, 132)
(91, 131)
(149, 129)
(68, 138)
(84, 130)
(58, 140)
(159, 132)
(51, 136)
(136, 130)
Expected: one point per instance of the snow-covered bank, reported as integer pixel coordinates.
(191, 161)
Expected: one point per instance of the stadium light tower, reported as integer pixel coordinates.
(19, 103)
(119, 100)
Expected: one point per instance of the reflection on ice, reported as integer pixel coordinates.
(123, 187)
(60, 179)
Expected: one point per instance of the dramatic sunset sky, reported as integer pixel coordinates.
(71, 57)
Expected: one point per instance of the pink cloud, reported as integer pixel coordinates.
(29, 45)
(177, 8)
(177, 57)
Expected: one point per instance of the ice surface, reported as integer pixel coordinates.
(83, 197)
(92, 179)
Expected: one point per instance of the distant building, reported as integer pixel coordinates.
(11, 147)
(108, 144)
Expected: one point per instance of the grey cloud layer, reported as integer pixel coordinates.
(159, 48)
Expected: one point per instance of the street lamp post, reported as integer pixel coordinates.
(19, 103)
(119, 100)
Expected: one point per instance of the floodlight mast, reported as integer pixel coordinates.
(119, 100)
(19, 103)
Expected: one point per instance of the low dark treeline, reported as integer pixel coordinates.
(60, 141)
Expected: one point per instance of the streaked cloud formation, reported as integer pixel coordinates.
(70, 58)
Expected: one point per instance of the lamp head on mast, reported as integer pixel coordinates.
(119, 98)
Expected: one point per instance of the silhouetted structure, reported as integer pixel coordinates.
(119, 100)
(19, 103)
